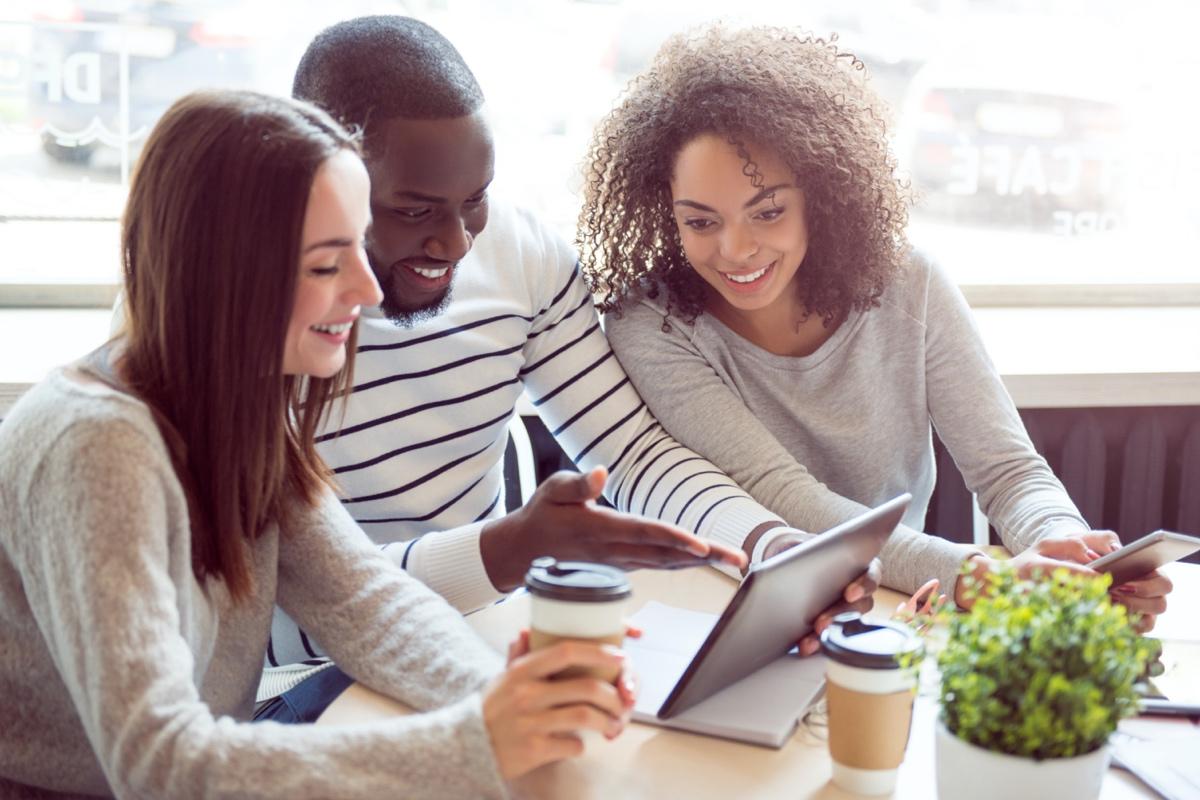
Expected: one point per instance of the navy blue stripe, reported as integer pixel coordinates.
(683, 510)
(612, 468)
(488, 510)
(371, 423)
(649, 494)
(561, 292)
(671, 494)
(604, 435)
(574, 378)
(646, 468)
(403, 376)
(430, 515)
(589, 407)
(415, 483)
(408, 549)
(587, 301)
(439, 440)
(367, 348)
(525, 371)
(306, 644)
(704, 516)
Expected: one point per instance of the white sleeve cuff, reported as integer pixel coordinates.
(764, 541)
(449, 562)
(731, 522)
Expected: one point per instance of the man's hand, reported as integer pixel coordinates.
(857, 596)
(563, 520)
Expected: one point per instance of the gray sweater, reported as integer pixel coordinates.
(121, 674)
(818, 438)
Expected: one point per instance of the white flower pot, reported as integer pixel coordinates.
(970, 772)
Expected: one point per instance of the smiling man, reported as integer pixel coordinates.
(481, 303)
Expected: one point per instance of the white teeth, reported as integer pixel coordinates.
(753, 276)
(334, 329)
(431, 273)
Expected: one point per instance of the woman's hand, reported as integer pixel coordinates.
(533, 719)
(1145, 598)
(857, 596)
(1038, 561)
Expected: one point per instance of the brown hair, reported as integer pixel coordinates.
(771, 87)
(211, 248)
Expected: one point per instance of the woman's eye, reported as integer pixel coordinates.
(771, 213)
(323, 271)
(699, 224)
(477, 199)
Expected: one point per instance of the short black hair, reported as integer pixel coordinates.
(372, 69)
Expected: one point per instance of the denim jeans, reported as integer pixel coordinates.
(307, 700)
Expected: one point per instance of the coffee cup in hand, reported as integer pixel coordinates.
(577, 600)
(870, 700)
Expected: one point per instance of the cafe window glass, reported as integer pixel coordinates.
(1048, 143)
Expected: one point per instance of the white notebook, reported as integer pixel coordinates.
(762, 708)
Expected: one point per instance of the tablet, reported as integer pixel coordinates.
(778, 600)
(1145, 555)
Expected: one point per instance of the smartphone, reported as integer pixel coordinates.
(1145, 555)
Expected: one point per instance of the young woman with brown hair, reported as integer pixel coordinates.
(744, 220)
(159, 497)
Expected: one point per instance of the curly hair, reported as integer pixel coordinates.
(774, 87)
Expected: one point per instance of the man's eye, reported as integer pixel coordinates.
(475, 200)
(419, 212)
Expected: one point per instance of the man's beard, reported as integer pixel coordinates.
(401, 313)
(408, 317)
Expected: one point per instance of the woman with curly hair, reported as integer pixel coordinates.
(743, 222)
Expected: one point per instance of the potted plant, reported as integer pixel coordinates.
(1034, 679)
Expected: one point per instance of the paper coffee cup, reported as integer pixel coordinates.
(870, 700)
(577, 600)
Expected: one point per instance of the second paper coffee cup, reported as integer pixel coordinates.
(870, 699)
(576, 600)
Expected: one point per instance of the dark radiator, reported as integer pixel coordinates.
(1129, 470)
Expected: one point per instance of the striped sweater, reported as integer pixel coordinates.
(421, 444)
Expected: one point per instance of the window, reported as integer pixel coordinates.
(1049, 142)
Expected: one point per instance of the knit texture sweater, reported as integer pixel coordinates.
(818, 438)
(122, 674)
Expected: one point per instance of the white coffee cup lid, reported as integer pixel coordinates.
(853, 641)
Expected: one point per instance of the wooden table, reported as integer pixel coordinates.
(650, 762)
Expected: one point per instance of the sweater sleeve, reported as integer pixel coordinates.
(382, 626)
(976, 419)
(104, 584)
(704, 413)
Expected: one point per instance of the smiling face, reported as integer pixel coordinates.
(747, 242)
(429, 181)
(334, 281)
